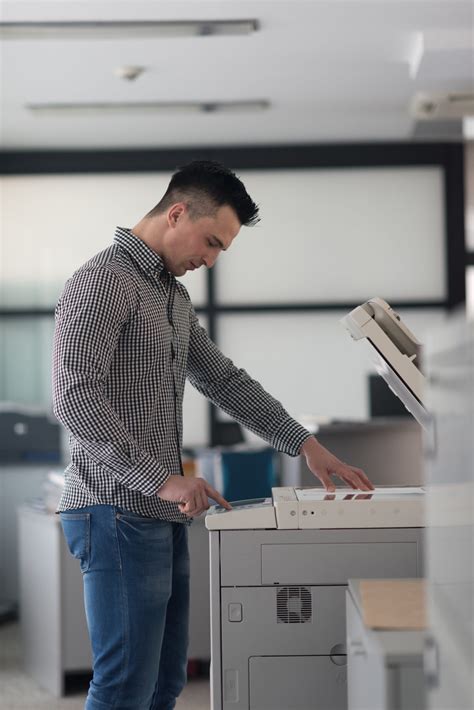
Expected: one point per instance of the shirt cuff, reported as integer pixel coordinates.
(146, 476)
(290, 437)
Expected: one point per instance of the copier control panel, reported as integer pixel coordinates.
(302, 508)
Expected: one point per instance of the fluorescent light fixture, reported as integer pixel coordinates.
(441, 53)
(142, 107)
(127, 29)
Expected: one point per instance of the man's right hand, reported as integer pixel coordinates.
(191, 494)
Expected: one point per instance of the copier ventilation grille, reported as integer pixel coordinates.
(294, 605)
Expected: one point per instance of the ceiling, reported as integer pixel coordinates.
(332, 71)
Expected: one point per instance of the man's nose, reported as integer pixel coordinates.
(210, 260)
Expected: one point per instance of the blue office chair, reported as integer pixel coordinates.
(248, 474)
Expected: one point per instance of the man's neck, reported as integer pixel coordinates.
(151, 231)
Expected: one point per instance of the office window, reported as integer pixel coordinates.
(25, 373)
(51, 224)
(339, 235)
(25, 360)
(327, 236)
(195, 412)
(309, 361)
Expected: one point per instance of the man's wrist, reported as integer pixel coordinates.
(157, 492)
(309, 444)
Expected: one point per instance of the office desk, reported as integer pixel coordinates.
(384, 668)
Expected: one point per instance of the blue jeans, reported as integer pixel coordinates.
(136, 595)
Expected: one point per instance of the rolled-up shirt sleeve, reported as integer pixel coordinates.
(90, 316)
(235, 392)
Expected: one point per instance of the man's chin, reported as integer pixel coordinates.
(177, 270)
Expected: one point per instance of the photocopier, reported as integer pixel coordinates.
(279, 566)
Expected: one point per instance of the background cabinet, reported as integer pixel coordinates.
(384, 668)
(18, 484)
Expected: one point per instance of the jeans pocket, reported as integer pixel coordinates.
(77, 528)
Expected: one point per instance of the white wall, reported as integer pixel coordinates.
(51, 224)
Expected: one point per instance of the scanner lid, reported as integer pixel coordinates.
(394, 350)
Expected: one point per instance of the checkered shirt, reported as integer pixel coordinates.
(126, 339)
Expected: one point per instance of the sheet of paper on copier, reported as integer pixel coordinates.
(394, 350)
(348, 493)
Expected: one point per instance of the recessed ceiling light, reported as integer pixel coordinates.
(128, 73)
(125, 28)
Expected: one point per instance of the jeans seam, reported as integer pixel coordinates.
(125, 644)
(87, 545)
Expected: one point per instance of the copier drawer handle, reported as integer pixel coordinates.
(431, 662)
(356, 648)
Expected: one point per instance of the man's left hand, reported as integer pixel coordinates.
(322, 463)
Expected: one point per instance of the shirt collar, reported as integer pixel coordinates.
(147, 259)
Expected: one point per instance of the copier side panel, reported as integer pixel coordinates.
(281, 627)
(296, 682)
(290, 620)
(258, 649)
(255, 557)
(215, 618)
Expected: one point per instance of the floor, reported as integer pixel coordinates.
(20, 692)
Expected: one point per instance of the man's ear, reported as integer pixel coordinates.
(175, 213)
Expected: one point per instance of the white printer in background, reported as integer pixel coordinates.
(279, 566)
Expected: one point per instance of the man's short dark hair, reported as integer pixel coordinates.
(205, 185)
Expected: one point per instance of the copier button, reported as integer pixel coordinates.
(235, 612)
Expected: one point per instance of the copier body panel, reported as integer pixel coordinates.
(278, 610)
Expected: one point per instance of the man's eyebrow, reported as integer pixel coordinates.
(219, 242)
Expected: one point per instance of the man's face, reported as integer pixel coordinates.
(190, 244)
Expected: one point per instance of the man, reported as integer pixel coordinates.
(126, 339)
